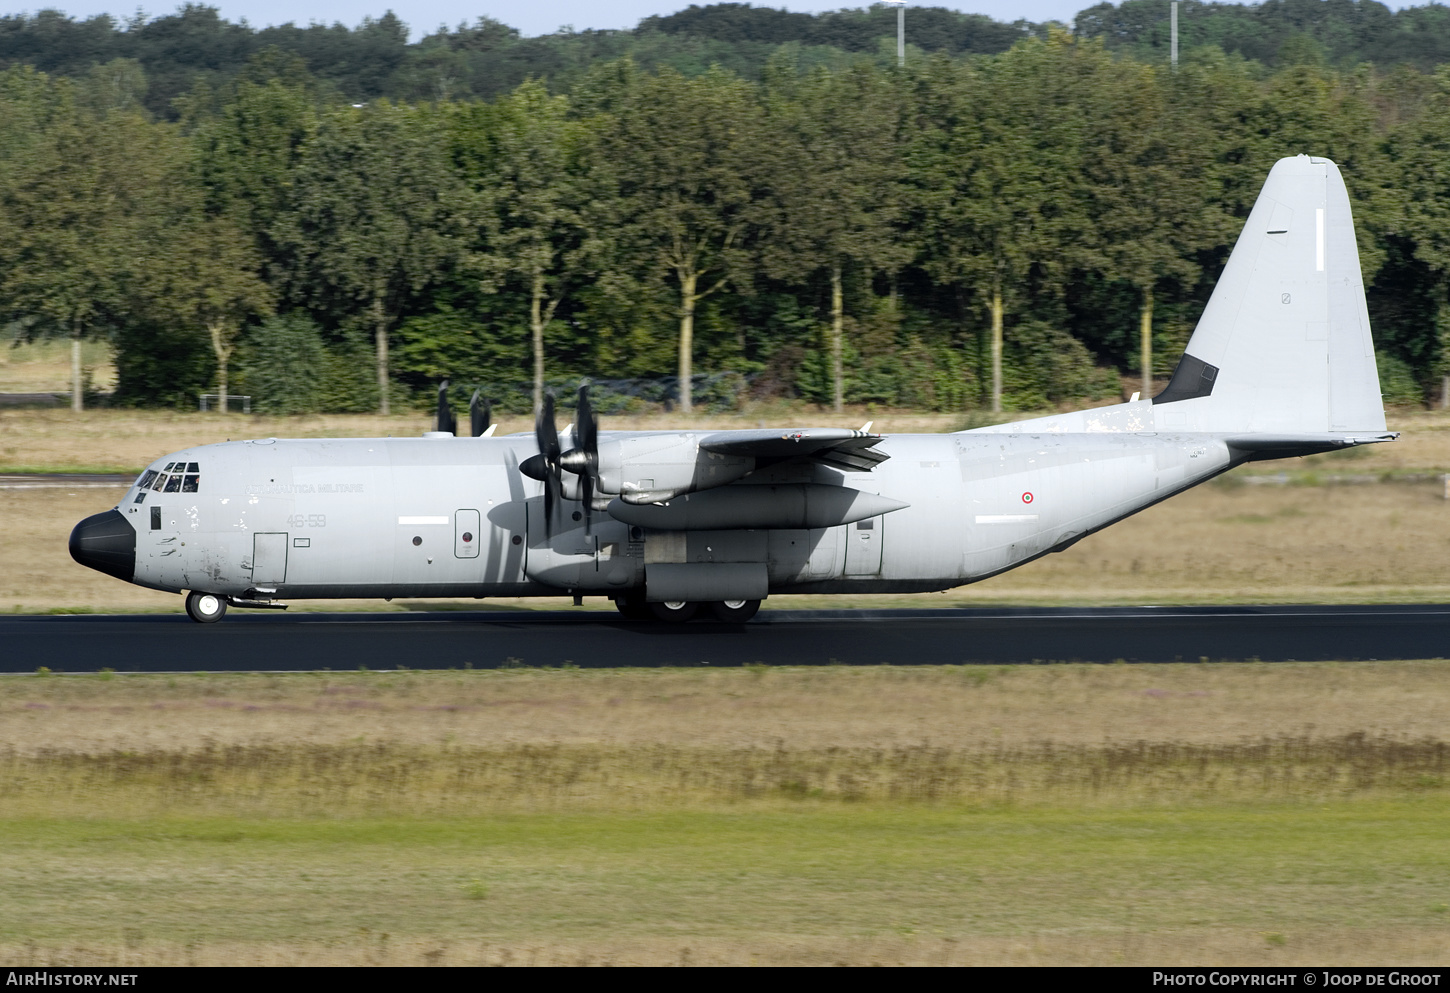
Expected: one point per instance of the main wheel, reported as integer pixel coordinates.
(632, 606)
(734, 611)
(205, 608)
(677, 611)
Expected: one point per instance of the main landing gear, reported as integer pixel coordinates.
(634, 606)
(205, 608)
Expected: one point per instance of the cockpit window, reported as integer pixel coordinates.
(176, 477)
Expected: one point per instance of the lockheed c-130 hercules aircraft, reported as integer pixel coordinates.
(671, 523)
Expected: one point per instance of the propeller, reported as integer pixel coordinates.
(545, 466)
(480, 414)
(583, 459)
(445, 413)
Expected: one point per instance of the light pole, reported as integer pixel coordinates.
(900, 6)
(1173, 31)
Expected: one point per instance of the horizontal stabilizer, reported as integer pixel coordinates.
(1270, 446)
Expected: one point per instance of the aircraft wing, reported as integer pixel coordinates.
(839, 448)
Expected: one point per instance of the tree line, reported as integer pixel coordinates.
(196, 48)
(1000, 231)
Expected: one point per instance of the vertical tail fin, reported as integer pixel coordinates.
(1284, 346)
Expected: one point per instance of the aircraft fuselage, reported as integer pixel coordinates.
(453, 517)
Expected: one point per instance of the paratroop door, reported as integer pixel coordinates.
(269, 559)
(465, 534)
(863, 547)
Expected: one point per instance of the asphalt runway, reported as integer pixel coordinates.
(274, 641)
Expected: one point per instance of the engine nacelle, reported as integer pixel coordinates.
(654, 468)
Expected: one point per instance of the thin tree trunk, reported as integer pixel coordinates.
(380, 334)
(687, 340)
(77, 398)
(536, 323)
(838, 399)
(222, 355)
(996, 346)
(1145, 341)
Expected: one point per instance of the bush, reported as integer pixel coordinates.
(1397, 382)
(1042, 366)
(289, 368)
(283, 364)
(162, 366)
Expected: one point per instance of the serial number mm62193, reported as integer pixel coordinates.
(297, 521)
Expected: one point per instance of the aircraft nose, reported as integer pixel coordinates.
(107, 543)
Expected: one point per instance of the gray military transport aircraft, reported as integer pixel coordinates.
(671, 523)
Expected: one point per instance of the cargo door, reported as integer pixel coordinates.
(465, 534)
(269, 559)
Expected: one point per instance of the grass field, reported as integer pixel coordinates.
(1190, 814)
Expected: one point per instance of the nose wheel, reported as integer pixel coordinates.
(205, 608)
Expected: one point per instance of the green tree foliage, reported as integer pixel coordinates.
(1341, 32)
(1015, 220)
(836, 173)
(374, 220)
(685, 152)
(537, 202)
(75, 191)
(1002, 197)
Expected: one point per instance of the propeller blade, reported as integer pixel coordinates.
(480, 415)
(586, 491)
(547, 437)
(445, 413)
(586, 430)
(546, 434)
(551, 497)
(586, 435)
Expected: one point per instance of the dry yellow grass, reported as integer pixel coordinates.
(597, 817)
(800, 709)
(1347, 947)
(44, 366)
(466, 743)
